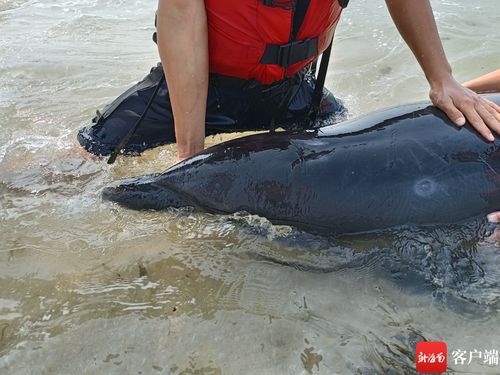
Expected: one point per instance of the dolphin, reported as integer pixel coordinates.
(408, 165)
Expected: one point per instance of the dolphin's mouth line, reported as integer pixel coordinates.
(190, 199)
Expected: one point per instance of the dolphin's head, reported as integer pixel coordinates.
(144, 193)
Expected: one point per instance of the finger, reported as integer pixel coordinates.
(452, 112)
(493, 108)
(477, 122)
(493, 104)
(488, 118)
(494, 237)
(494, 217)
(493, 111)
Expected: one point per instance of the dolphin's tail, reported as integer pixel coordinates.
(144, 193)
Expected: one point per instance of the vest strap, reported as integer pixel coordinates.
(288, 54)
(301, 7)
(284, 4)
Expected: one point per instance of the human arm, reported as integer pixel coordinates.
(488, 83)
(183, 47)
(416, 24)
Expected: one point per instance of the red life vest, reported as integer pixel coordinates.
(254, 38)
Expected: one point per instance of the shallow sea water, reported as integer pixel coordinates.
(87, 287)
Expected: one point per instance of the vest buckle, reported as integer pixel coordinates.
(291, 53)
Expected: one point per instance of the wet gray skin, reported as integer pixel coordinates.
(407, 165)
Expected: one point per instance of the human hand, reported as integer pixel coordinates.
(460, 103)
(493, 236)
(494, 217)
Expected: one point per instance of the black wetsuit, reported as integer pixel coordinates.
(233, 105)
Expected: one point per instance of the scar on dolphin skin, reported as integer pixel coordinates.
(425, 187)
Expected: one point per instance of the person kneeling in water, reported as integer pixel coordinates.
(249, 65)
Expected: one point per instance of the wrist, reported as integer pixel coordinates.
(187, 149)
(439, 78)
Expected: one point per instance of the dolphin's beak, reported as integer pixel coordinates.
(143, 194)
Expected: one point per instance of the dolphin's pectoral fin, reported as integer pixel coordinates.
(150, 195)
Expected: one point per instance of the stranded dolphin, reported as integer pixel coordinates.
(406, 165)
